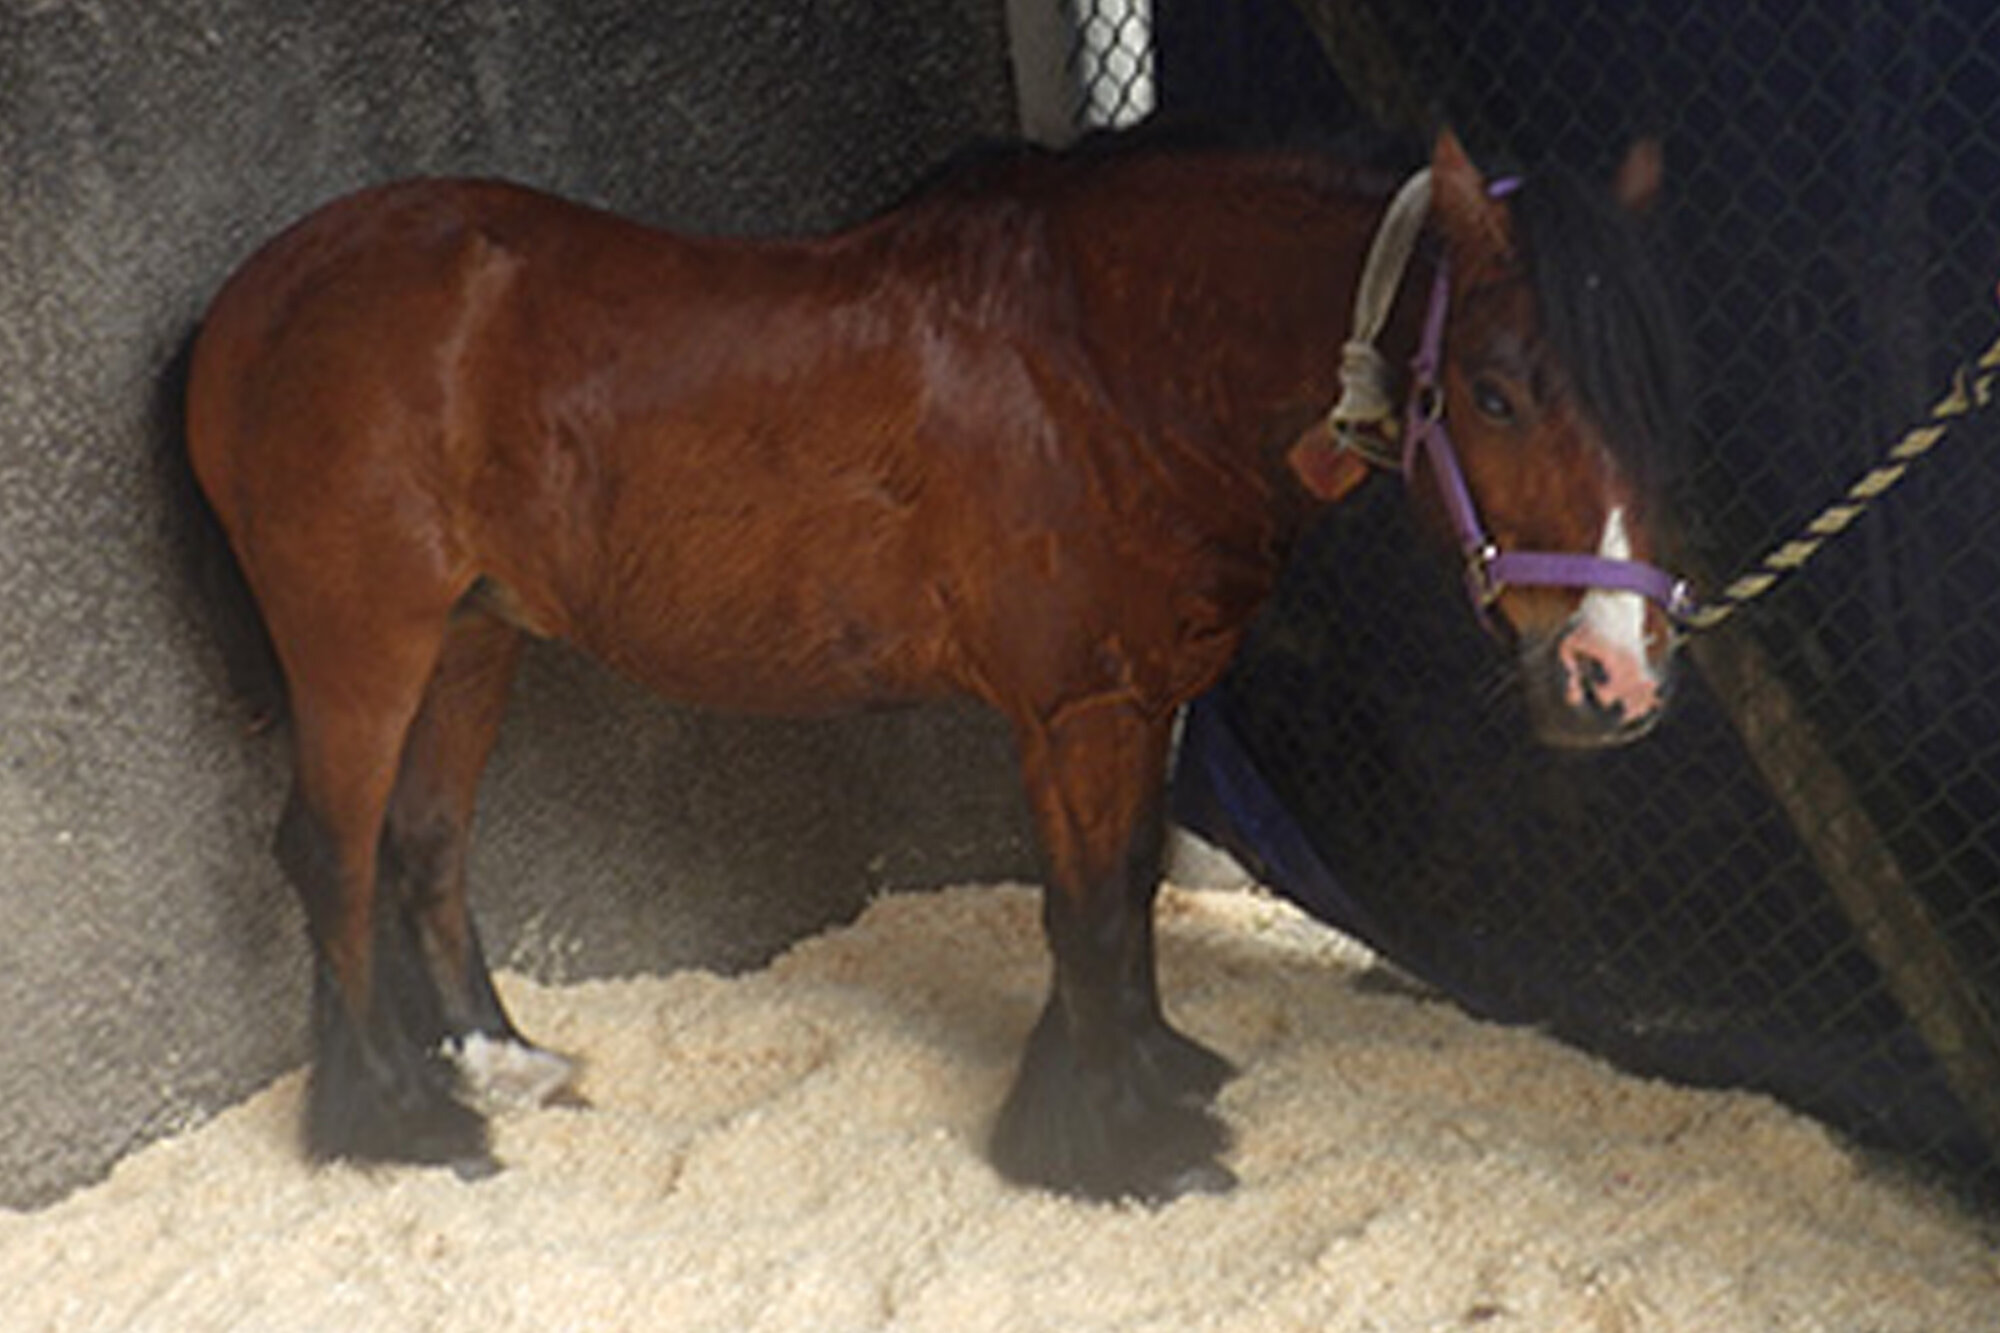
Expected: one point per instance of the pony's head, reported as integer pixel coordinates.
(1539, 428)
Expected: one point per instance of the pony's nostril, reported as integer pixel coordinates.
(1602, 682)
(1587, 678)
(1593, 676)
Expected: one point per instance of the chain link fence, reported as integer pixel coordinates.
(1794, 884)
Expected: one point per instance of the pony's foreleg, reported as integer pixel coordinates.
(379, 1087)
(1110, 1101)
(428, 833)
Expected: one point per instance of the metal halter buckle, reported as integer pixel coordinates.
(1479, 580)
(1430, 401)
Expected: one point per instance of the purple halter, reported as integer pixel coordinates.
(1489, 571)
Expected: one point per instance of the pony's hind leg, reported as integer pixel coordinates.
(380, 1089)
(1110, 1101)
(425, 847)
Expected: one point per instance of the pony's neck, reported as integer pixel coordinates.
(1215, 291)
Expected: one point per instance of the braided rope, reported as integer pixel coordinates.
(1972, 387)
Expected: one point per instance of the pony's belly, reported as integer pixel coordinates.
(772, 663)
(754, 692)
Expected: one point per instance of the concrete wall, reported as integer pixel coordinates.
(152, 962)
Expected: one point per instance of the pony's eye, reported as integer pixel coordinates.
(1492, 401)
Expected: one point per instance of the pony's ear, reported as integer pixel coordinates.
(1474, 226)
(1637, 184)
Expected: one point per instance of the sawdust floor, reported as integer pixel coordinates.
(800, 1149)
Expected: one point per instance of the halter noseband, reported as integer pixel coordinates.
(1489, 571)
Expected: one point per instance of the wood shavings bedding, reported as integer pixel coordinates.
(801, 1149)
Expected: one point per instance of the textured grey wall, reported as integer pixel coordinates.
(152, 963)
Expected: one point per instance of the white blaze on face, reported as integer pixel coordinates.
(1605, 655)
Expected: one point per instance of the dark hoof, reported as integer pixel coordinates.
(1182, 1065)
(382, 1098)
(1206, 1178)
(360, 1121)
(472, 1170)
(1139, 1129)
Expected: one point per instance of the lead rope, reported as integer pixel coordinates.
(1972, 387)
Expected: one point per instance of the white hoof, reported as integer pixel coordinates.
(502, 1074)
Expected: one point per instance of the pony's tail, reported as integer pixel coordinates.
(209, 568)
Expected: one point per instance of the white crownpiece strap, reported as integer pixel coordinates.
(1365, 416)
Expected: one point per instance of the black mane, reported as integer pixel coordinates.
(1608, 317)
